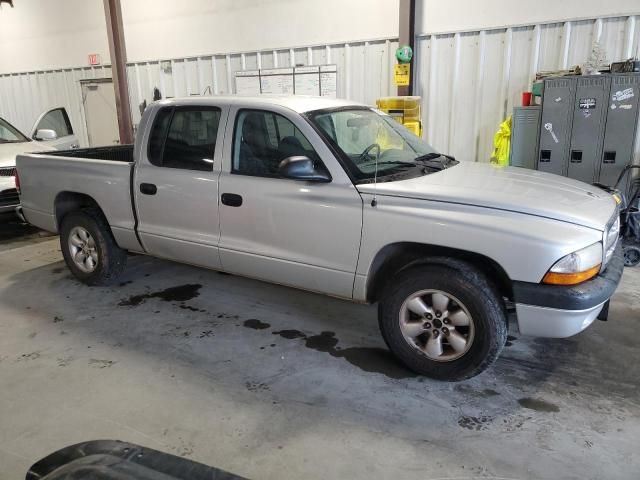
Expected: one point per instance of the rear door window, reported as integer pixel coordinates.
(184, 138)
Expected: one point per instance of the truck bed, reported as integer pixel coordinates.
(101, 175)
(119, 153)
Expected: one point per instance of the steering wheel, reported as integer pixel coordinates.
(365, 156)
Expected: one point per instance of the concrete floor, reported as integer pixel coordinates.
(238, 374)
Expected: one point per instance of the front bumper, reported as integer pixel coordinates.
(558, 311)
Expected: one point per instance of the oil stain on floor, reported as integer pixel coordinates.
(538, 405)
(180, 293)
(256, 324)
(368, 359)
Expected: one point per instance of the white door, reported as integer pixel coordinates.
(176, 184)
(99, 101)
(54, 128)
(292, 232)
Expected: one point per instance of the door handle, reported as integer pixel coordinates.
(231, 199)
(148, 188)
(74, 146)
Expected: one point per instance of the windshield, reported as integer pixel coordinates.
(365, 137)
(10, 134)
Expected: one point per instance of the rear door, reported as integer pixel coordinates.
(54, 128)
(176, 184)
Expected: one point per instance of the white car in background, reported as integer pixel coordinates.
(51, 131)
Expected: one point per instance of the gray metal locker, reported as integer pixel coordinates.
(619, 135)
(555, 131)
(589, 110)
(524, 136)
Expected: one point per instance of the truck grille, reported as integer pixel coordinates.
(9, 197)
(7, 171)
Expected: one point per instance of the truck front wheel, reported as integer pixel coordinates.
(444, 321)
(89, 249)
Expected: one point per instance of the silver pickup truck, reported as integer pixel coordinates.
(337, 198)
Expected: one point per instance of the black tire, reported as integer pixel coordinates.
(474, 291)
(631, 255)
(111, 258)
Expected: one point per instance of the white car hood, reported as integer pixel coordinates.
(508, 188)
(8, 151)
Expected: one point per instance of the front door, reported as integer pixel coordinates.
(286, 231)
(176, 184)
(54, 128)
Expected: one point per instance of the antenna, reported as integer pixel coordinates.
(374, 202)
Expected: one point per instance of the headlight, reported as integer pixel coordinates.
(611, 238)
(577, 267)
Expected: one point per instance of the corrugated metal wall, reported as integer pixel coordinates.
(364, 73)
(470, 81)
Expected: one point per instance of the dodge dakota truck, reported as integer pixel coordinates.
(337, 198)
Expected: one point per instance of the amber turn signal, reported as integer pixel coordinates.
(553, 278)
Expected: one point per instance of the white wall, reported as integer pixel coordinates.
(365, 71)
(438, 16)
(46, 34)
(170, 29)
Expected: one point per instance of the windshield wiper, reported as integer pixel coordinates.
(428, 156)
(400, 163)
(434, 157)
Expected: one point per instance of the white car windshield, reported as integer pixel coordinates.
(10, 134)
(368, 140)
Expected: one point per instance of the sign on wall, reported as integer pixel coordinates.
(316, 80)
(94, 59)
(277, 81)
(402, 74)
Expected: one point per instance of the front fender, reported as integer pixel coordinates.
(524, 246)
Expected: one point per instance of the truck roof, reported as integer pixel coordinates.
(297, 103)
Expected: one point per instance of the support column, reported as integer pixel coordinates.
(407, 26)
(118, 52)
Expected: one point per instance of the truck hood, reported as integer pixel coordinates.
(508, 188)
(8, 151)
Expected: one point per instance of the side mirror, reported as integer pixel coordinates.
(46, 134)
(302, 168)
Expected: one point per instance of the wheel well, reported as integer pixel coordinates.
(68, 202)
(398, 256)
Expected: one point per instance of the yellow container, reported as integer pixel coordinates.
(405, 110)
(414, 127)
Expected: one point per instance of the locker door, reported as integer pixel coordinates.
(524, 136)
(555, 127)
(590, 107)
(622, 117)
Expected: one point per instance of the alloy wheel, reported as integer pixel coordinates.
(83, 250)
(437, 324)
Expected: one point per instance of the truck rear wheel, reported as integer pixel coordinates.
(443, 321)
(89, 249)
